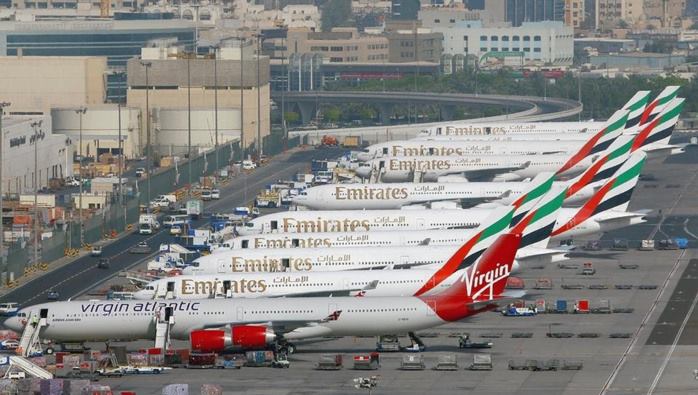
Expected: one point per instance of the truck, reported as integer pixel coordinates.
(268, 199)
(163, 201)
(195, 208)
(148, 224)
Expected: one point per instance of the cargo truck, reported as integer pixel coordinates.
(195, 208)
(148, 224)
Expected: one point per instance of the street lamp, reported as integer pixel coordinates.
(189, 115)
(259, 144)
(215, 98)
(2, 138)
(242, 102)
(80, 111)
(147, 66)
(36, 126)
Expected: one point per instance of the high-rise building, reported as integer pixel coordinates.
(619, 13)
(519, 11)
(574, 13)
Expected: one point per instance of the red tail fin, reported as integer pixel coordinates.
(483, 281)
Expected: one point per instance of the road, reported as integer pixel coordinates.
(82, 274)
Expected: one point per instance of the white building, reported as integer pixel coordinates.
(54, 153)
(255, 16)
(540, 43)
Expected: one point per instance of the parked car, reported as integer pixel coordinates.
(215, 194)
(72, 182)
(248, 165)
(9, 309)
(9, 344)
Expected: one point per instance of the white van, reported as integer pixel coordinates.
(178, 219)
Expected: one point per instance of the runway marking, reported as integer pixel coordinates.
(660, 372)
(643, 324)
(688, 232)
(671, 210)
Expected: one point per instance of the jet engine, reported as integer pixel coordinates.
(240, 337)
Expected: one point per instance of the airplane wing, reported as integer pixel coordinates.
(491, 172)
(282, 326)
(533, 253)
(328, 293)
(503, 300)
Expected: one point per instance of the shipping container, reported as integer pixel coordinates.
(561, 306)
(582, 306)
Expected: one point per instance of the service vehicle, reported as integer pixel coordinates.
(8, 309)
(9, 345)
(176, 219)
(96, 251)
(206, 194)
(248, 165)
(140, 171)
(148, 224)
(195, 208)
(215, 193)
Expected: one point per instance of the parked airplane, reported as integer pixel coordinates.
(373, 220)
(535, 230)
(483, 167)
(609, 208)
(214, 325)
(398, 195)
(461, 129)
(535, 145)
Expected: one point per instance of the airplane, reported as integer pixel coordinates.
(382, 220)
(637, 106)
(427, 195)
(532, 144)
(357, 282)
(215, 325)
(482, 167)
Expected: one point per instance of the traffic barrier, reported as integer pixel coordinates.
(588, 335)
(522, 335)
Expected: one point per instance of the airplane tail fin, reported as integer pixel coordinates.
(665, 96)
(658, 131)
(537, 188)
(481, 286)
(600, 141)
(497, 222)
(538, 225)
(636, 107)
(605, 166)
(614, 194)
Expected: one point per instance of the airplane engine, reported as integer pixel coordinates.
(241, 337)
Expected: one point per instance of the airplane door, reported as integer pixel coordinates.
(385, 150)
(274, 225)
(295, 243)
(285, 264)
(381, 164)
(43, 313)
(240, 313)
(221, 266)
(431, 150)
(245, 244)
(226, 288)
(438, 131)
(331, 308)
(170, 287)
(404, 260)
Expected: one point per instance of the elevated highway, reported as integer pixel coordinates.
(525, 109)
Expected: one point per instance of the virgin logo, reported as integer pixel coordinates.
(476, 283)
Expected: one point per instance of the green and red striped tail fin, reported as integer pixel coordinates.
(485, 234)
(604, 167)
(600, 141)
(658, 131)
(537, 227)
(636, 107)
(539, 186)
(665, 96)
(614, 194)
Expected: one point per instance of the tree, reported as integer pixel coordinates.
(332, 114)
(335, 13)
(291, 117)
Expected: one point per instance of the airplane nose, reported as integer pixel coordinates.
(14, 324)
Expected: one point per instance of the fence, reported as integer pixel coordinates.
(116, 216)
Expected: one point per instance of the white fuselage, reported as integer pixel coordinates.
(469, 129)
(417, 237)
(398, 282)
(468, 147)
(518, 167)
(395, 196)
(134, 319)
(363, 220)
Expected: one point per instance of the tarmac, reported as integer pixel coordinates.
(653, 304)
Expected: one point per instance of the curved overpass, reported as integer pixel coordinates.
(528, 109)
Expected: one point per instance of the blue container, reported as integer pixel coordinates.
(681, 242)
(560, 305)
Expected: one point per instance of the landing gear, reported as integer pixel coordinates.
(285, 348)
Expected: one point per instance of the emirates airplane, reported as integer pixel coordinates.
(353, 282)
(468, 130)
(215, 325)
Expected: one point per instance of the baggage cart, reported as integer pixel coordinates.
(447, 362)
(412, 362)
(481, 362)
(367, 362)
(329, 362)
(388, 343)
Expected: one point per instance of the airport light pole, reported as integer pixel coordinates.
(260, 148)
(80, 111)
(147, 66)
(121, 164)
(215, 98)
(36, 126)
(189, 115)
(242, 102)
(2, 230)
